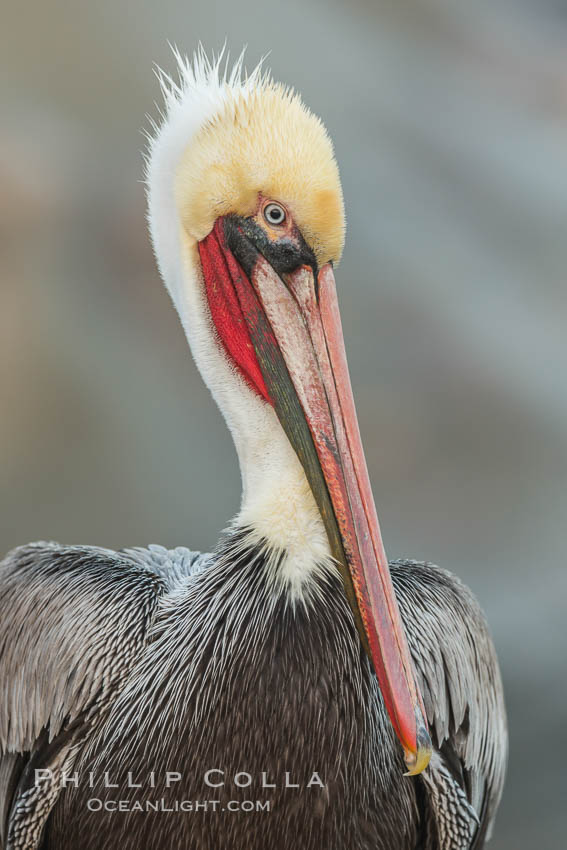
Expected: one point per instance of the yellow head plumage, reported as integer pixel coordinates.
(264, 140)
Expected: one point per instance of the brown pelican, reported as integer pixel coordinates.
(291, 689)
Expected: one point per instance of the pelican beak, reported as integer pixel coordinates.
(292, 315)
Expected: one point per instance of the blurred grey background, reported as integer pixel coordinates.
(450, 125)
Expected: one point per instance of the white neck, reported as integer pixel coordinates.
(277, 504)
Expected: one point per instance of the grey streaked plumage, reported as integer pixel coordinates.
(149, 660)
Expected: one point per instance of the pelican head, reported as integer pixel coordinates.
(247, 219)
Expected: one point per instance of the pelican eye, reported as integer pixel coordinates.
(274, 214)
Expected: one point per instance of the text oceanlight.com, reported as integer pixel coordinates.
(97, 805)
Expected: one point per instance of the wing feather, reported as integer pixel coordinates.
(458, 673)
(73, 619)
